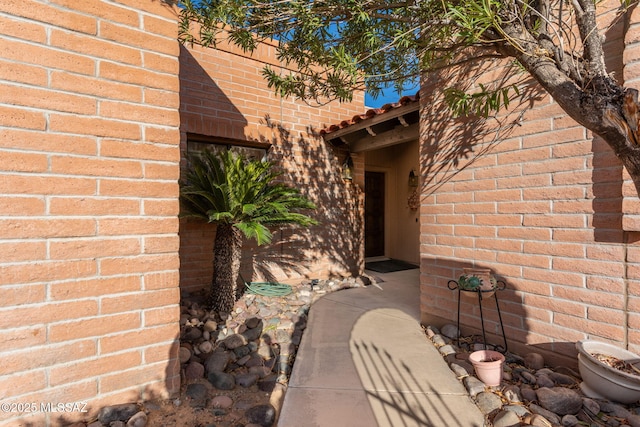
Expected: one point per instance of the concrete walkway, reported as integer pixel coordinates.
(365, 361)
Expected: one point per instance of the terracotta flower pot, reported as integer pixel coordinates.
(488, 366)
(601, 380)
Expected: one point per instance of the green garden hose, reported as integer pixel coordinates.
(269, 289)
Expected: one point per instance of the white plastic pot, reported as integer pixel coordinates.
(603, 381)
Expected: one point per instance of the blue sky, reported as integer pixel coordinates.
(387, 96)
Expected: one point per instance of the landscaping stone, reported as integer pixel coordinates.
(222, 402)
(263, 415)
(122, 412)
(222, 380)
(138, 420)
(536, 395)
(559, 400)
(506, 419)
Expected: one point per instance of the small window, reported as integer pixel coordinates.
(250, 150)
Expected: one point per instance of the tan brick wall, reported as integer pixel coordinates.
(89, 163)
(542, 206)
(224, 95)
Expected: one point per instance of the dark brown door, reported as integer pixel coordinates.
(373, 214)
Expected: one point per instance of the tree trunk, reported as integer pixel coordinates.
(226, 267)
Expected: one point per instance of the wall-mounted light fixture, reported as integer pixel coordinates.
(347, 169)
(413, 179)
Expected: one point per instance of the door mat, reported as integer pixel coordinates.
(389, 266)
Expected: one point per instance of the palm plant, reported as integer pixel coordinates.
(241, 198)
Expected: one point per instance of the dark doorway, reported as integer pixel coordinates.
(374, 214)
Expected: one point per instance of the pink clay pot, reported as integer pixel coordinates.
(488, 365)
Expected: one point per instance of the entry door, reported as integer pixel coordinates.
(373, 214)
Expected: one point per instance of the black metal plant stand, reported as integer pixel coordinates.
(500, 286)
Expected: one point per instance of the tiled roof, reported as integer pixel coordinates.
(374, 112)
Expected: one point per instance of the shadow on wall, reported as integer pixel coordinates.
(450, 144)
(307, 162)
(436, 272)
(607, 171)
(75, 411)
(310, 164)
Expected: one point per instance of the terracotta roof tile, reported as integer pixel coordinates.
(373, 112)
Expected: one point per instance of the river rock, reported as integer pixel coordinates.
(559, 400)
(194, 370)
(246, 379)
(222, 380)
(138, 420)
(234, 341)
(473, 385)
(569, 421)
(221, 402)
(549, 416)
(506, 419)
(450, 331)
(264, 415)
(123, 412)
(488, 402)
(218, 361)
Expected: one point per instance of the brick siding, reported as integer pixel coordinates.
(541, 205)
(89, 164)
(223, 94)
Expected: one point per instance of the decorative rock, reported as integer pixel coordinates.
(559, 400)
(222, 380)
(538, 420)
(221, 402)
(246, 380)
(446, 350)
(432, 331)
(184, 354)
(263, 415)
(194, 370)
(268, 383)
(473, 385)
(450, 331)
(488, 402)
(210, 325)
(196, 391)
(206, 347)
(506, 419)
(192, 334)
(218, 361)
(534, 361)
(253, 333)
(122, 412)
(512, 394)
(234, 341)
(528, 393)
(459, 370)
(548, 416)
(591, 406)
(528, 377)
(519, 410)
(562, 379)
(438, 340)
(570, 420)
(544, 381)
(138, 420)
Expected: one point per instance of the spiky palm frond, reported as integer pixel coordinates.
(226, 188)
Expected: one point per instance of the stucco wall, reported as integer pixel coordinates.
(402, 228)
(89, 164)
(540, 202)
(224, 95)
